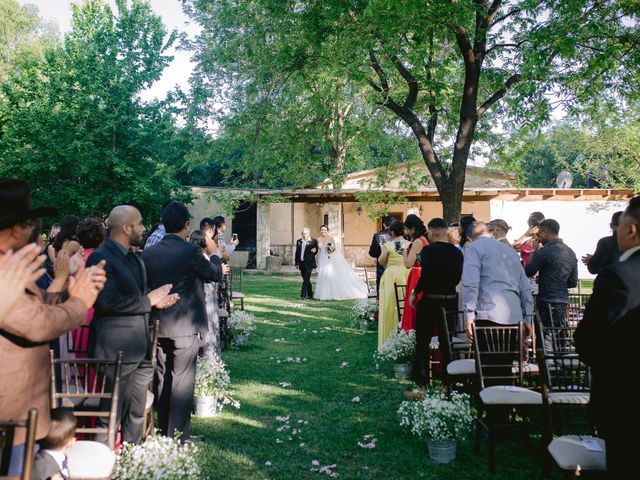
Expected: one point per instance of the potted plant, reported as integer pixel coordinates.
(399, 348)
(157, 457)
(241, 324)
(363, 312)
(441, 420)
(212, 389)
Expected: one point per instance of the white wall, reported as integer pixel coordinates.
(582, 223)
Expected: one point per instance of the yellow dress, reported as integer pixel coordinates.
(395, 272)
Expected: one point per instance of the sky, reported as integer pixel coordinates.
(59, 12)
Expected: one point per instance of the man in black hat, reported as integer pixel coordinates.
(36, 318)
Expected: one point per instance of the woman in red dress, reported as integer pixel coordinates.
(414, 228)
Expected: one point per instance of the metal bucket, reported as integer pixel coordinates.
(442, 451)
(206, 406)
(402, 371)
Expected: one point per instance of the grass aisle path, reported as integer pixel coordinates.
(238, 443)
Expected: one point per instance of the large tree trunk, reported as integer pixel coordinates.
(451, 199)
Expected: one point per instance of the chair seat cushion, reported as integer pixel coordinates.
(573, 398)
(237, 295)
(527, 368)
(568, 452)
(372, 294)
(509, 395)
(464, 366)
(89, 460)
(223, 314)
(149, 402)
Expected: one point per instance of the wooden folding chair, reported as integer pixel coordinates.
(148, 426)
(500, 370)
(459, 365)
(400, 291)
(75, 390)
(236, 285)
(7, 434)
(371, 291)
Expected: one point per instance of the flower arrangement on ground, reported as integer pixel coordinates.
(364, 310)
(212, 380)
(329, 248)
(157, 457)
(398, 348)
(438, 417)
(241, 323)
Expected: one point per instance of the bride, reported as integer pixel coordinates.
(336, 279)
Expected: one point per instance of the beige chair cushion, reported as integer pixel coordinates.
(149, 402)
(573, 398)
(568, 451)
(237, 295)
(465, 366)
(527, 368)
(90, 461)
(509, 395)
(223, 314)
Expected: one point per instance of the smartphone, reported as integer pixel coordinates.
(234, 236)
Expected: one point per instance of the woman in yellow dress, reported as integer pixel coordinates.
(395, 273)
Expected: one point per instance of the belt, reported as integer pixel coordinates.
(441, 297)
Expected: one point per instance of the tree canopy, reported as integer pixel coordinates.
(449, 71)
(71, 120)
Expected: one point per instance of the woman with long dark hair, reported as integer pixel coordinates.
(414, 228)
(67, 237)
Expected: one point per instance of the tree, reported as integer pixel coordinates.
(605, 152)
(73, 125)
(438, 66)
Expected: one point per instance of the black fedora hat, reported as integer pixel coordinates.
(15, 203)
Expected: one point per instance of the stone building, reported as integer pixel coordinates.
(269, 228)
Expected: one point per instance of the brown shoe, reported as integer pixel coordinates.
(415, 394)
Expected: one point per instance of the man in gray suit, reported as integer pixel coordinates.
(176, 261)
(121, 319)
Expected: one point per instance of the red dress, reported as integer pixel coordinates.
(409, 314)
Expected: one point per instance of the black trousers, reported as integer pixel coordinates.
(134, 383)
(428, 314)
(177, 361)
(305, 270)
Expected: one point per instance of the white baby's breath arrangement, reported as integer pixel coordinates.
(241, 323)
(438, 417)
(364, 309)
(398, 348)
(212, 380)
(157, 457)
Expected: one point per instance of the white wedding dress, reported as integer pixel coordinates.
(336, 279)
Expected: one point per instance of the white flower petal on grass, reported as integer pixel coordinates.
(344, 364)
(304, 359)
(282, 419)
(355, 399)
(278, 440)
(267, 463)
(284, 384)
(302, 444)
(371, 444)
(338, 349)
(315, 463)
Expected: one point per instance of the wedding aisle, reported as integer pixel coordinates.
(313, 405)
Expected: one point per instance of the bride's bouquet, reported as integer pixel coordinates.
(329, 248)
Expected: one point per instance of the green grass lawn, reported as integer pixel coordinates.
(239, 443)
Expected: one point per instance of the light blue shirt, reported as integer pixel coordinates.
(495, 286)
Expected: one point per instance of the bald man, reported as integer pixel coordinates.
(121, 314)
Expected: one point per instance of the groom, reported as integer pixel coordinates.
(306, 249)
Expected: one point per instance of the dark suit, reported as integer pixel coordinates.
(173, 260)
(375, 251)
(306, 263)
(121, 323)
(607, 253)
(605, 340)
(45, 466)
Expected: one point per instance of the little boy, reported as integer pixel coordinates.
(51, 462)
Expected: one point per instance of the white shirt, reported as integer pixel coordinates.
(628, 253)
(304, 245)
(60, 459)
